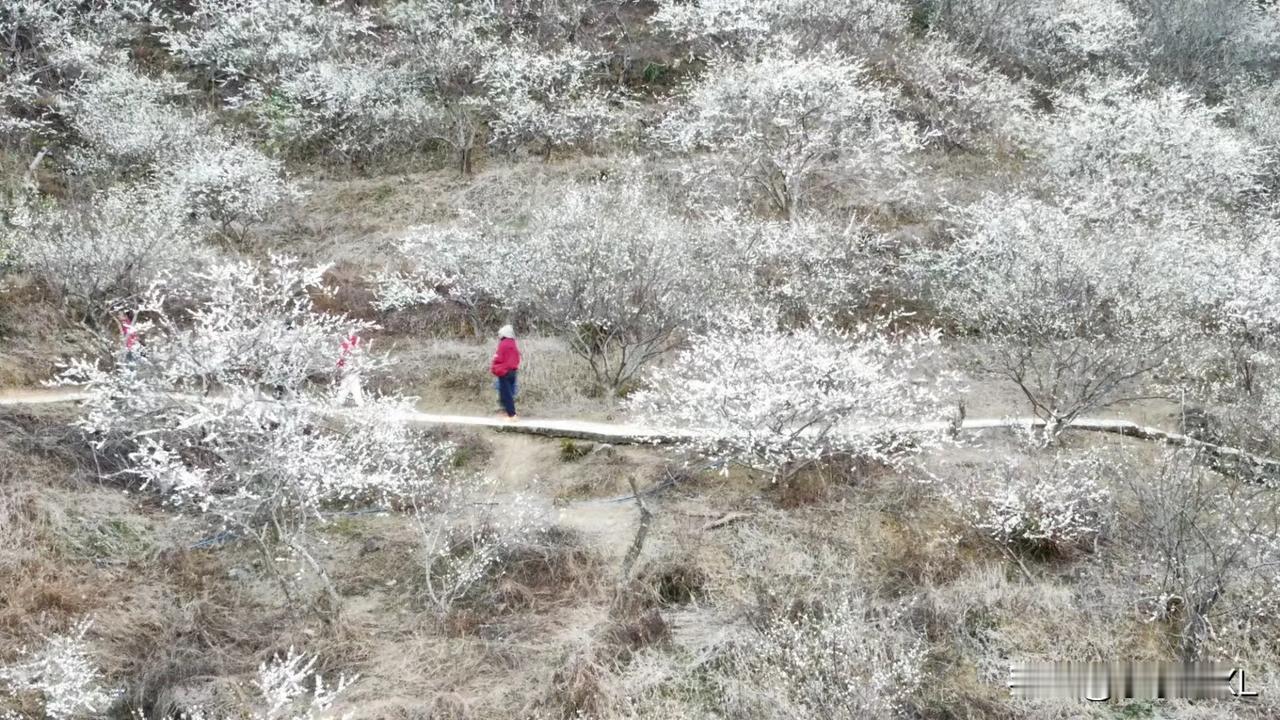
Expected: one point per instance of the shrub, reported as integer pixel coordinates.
(840, 660)
(1041, 505)
(64, 674)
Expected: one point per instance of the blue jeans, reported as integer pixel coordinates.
(507, 392)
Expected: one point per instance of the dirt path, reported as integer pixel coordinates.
(629, 434)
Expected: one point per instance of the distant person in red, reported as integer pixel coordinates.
(506, 361)
(350, 384)
(129, 335)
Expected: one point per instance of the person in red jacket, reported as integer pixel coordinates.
(506, 361)
(350, 384)
(129, 334)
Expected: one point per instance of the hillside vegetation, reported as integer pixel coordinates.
(785, 228)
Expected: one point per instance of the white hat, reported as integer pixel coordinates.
(506, 331)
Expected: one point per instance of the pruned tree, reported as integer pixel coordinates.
(789, 126)
(1072, 312)
(780, 401)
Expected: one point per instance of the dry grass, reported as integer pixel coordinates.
(36, 334)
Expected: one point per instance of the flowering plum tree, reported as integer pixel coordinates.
(749, 25)
(351, 109)
(1076, 311)
(1050, 40)
(125, 118)
(606, 263)
(1207, 43)
(791, 125)
(780, 401)
(450, 263)
(259, 40)
(219, 416)
(1116, 148)
(803, 268)
(131, 124)
(961, 100)
(549, 97)
(113, 246)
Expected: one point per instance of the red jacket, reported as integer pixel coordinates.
(129, 331)
(347, 349)
(506, 359)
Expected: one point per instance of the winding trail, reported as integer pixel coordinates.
(629, 434)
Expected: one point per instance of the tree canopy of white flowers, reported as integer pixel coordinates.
(1115, 147)
(801, 268)
(779, 401)
(352, 109)
(810, 23)
(961, 100)
(615, 269)
(448, 43)
(130, 123)
(552, 98)
(790, 126)
(128, 118)
(112, 247)
(1076, 309)
(451, 262)
(1046, 39)
(260, 40)
(220, 414)
(1208, 43)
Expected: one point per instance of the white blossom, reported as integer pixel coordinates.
(841, 659)
(781, 400)
(63, 672)
(789, 125)
(553, 98)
